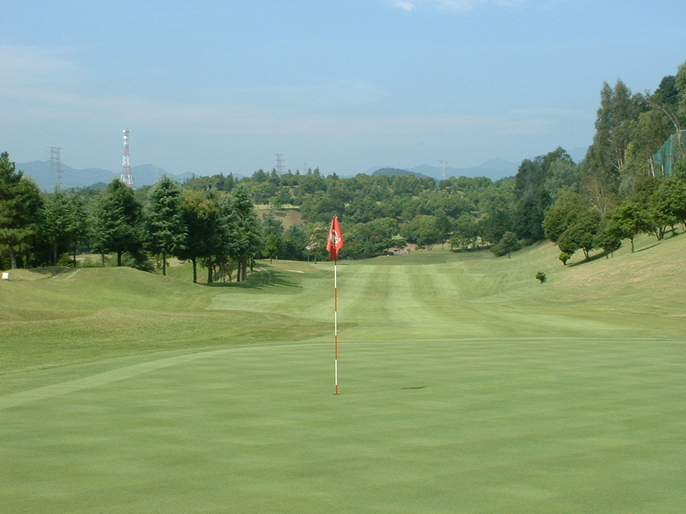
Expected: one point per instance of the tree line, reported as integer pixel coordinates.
(220, 231)
(627, 184)
(632, 180)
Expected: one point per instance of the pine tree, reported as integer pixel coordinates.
(20, 203)
(165, 224)
(118, 221)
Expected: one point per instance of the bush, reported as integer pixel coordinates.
(541, 276)
(564, 257)
(139, 261)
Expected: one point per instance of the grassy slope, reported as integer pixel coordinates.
(105, 313)
(467, 387)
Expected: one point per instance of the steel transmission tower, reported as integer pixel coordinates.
(279, 164)
(126, 176)
(56, 167)
(443, 166)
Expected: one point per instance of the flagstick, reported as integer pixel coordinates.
(335, 320)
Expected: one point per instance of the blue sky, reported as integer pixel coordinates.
(345, 85)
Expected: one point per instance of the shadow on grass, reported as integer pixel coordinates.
(648, 247)
(590, 259)
(260, 281)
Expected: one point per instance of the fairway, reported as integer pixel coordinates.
(466, 386)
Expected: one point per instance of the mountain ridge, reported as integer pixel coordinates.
(149, 174)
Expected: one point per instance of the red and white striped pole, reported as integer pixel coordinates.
(335, 321)
(333, 246)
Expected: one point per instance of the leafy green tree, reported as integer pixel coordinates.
(78, 228)
(567, 208)
(679, 170)
(295, 241)
(508, 243)
(676, 197)
(628, 220)
(680, 83)
(648, 133)
(581, 234)
(466, 233)
(118, 221)
(572, 224)
(562, 175)
(494, 225)
(165, 225)
(660, 209)
(20, 204)
(271, 246)
(533, 197)
(424, 230)
(200, 215)
(606, 240)
(57, 223)
(365, 240)
(272, 233)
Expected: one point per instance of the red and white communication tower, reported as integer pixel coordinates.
(126, 176)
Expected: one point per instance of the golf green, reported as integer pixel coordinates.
(444, 426)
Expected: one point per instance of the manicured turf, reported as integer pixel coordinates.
(466, 386)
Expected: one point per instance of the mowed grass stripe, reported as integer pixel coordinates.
(362, 296)
(436, 427)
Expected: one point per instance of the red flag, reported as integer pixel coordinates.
(335, 242)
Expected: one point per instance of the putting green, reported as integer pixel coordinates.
(466, 386)
(445, 426)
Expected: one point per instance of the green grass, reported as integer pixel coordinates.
(466, 386)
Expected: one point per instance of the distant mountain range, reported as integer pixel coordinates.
(494, 169)
(147, 174)
(143, 175)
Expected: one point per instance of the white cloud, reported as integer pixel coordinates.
(407, 6)
(449, 5)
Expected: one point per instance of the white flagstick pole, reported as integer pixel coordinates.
(335, 320)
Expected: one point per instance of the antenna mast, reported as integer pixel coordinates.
(126, 176)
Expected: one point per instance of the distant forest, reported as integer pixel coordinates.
(632, 181)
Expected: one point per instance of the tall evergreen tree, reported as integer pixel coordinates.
(57, 223)
(165, 225)
(118, 219)
(20, 203)
(244, 228)
(606, 160)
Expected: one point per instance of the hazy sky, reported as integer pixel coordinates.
(346, 85)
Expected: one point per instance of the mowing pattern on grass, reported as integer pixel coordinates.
(451, 426)
(466, 386)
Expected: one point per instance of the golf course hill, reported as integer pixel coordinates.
(60, 316)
